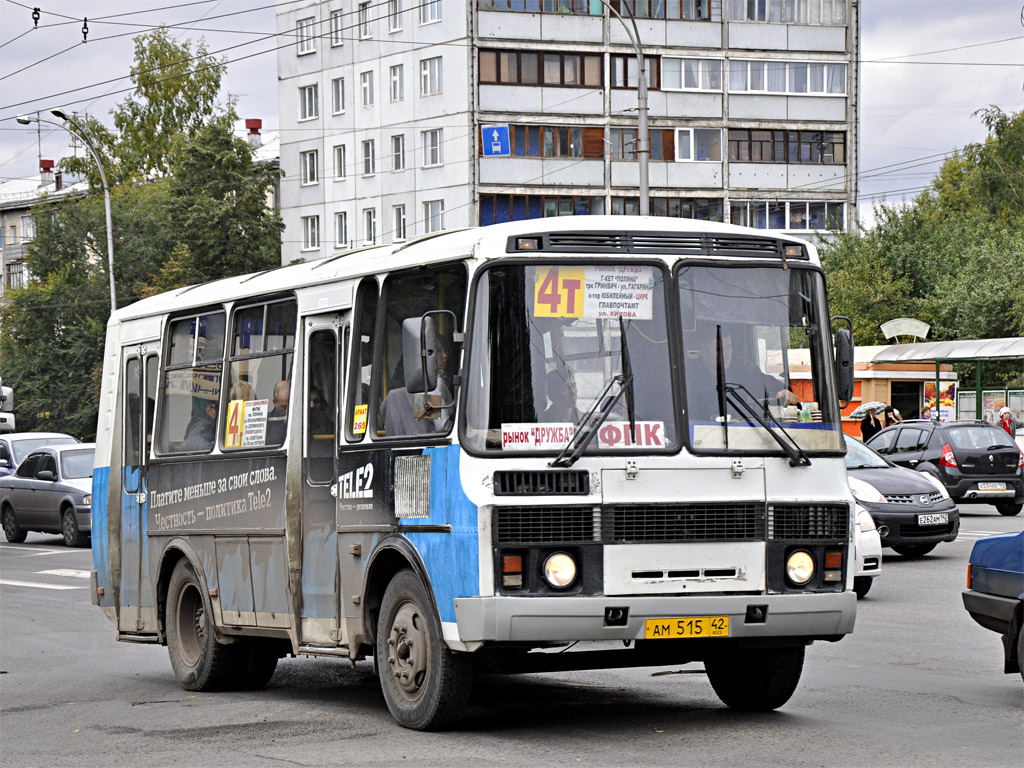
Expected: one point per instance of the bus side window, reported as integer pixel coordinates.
(132, 412)
(361, 366)
(190, 395)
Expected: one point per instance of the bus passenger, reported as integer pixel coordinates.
(202, 430)
(562, 394)
(278, 418)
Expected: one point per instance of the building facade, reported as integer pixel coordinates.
(394, 114)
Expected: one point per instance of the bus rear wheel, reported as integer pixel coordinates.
(756, 680)
(200, 662)
(426, 686)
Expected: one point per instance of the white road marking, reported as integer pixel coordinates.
(33, 552)
(38, 585)
(71, 573)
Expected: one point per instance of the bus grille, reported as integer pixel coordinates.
(629, 524)
(545, 482)
(546, 525)
(808, 522)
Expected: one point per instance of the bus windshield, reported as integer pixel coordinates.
(757, 360)
(549, 339)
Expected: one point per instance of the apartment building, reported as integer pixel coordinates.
(384, 104)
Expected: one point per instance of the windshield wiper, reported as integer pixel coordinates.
(627, 372)
(584, 430)
(796, 454)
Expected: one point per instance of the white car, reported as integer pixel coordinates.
(869, 552)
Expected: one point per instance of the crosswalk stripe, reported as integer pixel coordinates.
(70, 573)
(39, 585)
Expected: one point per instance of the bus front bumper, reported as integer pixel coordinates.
(801, 617)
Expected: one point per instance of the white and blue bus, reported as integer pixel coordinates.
(462, 452)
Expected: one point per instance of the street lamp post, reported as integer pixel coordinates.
(76, 130)
(643, 140)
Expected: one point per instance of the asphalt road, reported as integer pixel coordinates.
(917, 684)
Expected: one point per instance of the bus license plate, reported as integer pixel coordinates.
(991, 486)
(691, 626)
(939, 518)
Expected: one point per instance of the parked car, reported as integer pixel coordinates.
(912, 510)
(977, 462)
(869, 553)
(51, 491)
(15, 446)
(995, 592)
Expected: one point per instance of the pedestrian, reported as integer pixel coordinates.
(869, 425)
(1006, 420)
(890, 416)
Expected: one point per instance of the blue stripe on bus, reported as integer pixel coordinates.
(451, 560)
(100, 545)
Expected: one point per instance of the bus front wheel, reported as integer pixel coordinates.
(200, 662)
(756, 680)
(426, 686)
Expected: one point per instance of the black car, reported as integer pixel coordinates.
(912, 511)
(977, 463)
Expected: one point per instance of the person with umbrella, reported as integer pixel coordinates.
(869, 425)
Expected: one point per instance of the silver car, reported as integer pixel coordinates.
(15, 446)
(51, 491)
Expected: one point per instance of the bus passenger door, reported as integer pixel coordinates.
(321, 395)
(137, 613)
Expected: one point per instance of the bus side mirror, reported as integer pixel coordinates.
(420, 345)
(844, 365)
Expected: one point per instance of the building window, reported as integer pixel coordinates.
(340, 162)
(430, 11)
(338, 95)
(430, 76)
(28, 229)
(394, 15)
(701, 144)
(702, 209)
(789, 11)
(495, 209)
(433, 216)
(814, 147)
(779, 214)
(555, 141)
(812, 77)
(341, 229)
(370, 225)
(432, 147)
(536, 68)
(309, 102)
(310, 233)
(398, 152)
(365, 30)
(398, 233)
(398, 82)
(691, 74)
(366, 80)
(624, 141)
(685, 10)
(305, 33)
(337, 28)
(625, 71)
(308, 163)
(369, 158)
(578, 7)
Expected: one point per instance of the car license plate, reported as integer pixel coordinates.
(991, 486)
(691, 626)
(938, 518)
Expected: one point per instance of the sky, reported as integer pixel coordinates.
(927, 66)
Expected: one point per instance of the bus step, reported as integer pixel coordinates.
(126, 637)
(323, 650)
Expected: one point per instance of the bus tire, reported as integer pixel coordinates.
(13, 532)
(73, 536)
(426, 686)
(258, 663)
(200, 662)
(756, 680)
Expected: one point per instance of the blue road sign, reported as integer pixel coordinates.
(495, 140)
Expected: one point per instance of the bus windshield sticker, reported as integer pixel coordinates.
(254, 423)
(594, 292)
(359, 419)
(612, 434)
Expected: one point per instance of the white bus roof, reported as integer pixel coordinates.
(428, 249)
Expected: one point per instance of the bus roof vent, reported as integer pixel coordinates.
(675, 243)
(541, 483)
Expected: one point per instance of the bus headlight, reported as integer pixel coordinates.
(800, 567)
(560, 570)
